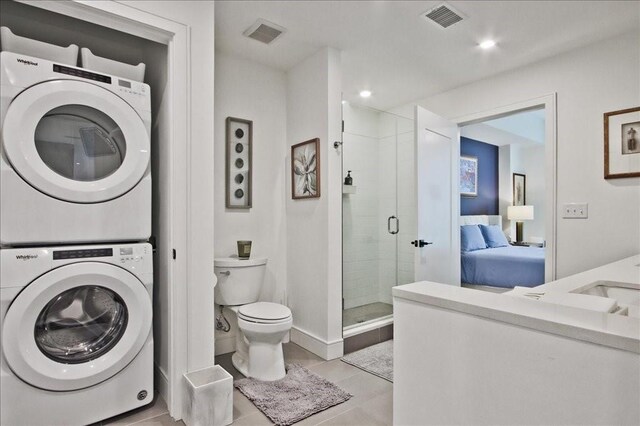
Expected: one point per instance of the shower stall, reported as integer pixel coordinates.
(378, 213)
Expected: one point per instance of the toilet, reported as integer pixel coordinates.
(262, 325)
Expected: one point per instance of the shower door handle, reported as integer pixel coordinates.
(389, 225)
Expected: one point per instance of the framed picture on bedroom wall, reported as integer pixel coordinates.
(468, 176)
(519, 189)
(622, 143)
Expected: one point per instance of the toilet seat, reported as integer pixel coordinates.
(264, 313)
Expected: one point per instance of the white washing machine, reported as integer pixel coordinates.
(75, 163)
(77, 341)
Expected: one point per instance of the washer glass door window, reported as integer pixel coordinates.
(81, 324)
(80, 143)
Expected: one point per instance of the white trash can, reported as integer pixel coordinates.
(209, 400)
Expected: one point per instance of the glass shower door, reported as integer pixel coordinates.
(377, 156)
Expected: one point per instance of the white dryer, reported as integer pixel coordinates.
(77, 341)
(75, 163)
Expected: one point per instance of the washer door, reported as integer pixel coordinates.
(75, 141)
(76, 326)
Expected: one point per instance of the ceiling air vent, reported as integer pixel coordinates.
(443, 15)
(264, 31)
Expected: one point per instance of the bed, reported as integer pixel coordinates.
(501, 267)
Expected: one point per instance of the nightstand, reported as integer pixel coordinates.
(526, 244)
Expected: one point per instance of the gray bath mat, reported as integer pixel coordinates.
(376, 359)
(298, 395)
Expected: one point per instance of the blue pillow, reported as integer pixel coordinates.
(494, 236)
(471, 238)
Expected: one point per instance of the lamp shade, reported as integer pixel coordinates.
(520, 213)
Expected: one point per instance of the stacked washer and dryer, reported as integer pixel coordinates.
(76, 273)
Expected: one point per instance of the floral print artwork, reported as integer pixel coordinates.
(305, 170)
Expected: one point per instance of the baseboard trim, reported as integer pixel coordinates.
(225, 344)
(322, 348)
(161, 382)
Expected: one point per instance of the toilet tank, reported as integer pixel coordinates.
(239, 280)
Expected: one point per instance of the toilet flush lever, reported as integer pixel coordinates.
(227, 273)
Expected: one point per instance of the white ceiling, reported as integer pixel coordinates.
(388, 48)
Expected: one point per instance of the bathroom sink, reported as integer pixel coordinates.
(627, 294)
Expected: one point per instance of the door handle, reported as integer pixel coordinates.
(389, 225)
(420, 243)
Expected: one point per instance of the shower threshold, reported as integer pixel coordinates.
(368, 321)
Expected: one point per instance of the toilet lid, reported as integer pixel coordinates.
(264, 311)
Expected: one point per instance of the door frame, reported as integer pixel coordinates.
(548, 102)
(182, 346)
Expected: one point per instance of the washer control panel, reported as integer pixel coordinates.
(126, 255)
(82, 254)
(131, 255)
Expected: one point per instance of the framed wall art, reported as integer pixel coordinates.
(622, 143)
(305, 169)
(468, 176)
(519, 189)
(239, 141)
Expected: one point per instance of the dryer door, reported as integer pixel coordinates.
(76, 326)
(75, 141)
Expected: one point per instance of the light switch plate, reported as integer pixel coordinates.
(575, 210)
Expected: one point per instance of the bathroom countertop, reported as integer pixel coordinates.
(617, 331)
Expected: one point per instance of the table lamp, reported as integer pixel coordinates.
(519, 213)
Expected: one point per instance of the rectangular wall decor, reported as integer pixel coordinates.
(239, 142)
(519, 189)
(305, 169)
(622, 143)
(468, 176)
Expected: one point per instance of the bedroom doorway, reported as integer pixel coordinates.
(377, 214)
(508, 184)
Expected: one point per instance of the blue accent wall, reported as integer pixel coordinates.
(487, 200)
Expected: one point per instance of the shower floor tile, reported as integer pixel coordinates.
(360, 314)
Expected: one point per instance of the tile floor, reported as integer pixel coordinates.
(360, 314)
(371, 404)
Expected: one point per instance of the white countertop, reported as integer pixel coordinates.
(612, 330)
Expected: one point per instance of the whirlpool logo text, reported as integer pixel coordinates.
(26, 256)
(27, 62)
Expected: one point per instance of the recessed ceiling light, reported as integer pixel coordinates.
(344, 102)
(487, 44)
(365, 94)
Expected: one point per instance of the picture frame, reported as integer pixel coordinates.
(239, 154)
(622, 143)
(305, 169)
(468, 176)
(519, 189)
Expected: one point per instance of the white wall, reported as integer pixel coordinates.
(314, 240)
(589, 82)
(505, 188)
(529, 161)
(252, 91)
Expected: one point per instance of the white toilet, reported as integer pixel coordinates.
(263, 325)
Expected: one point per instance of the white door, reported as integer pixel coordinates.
(75, 141)
(437, 149)
(76, 326)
